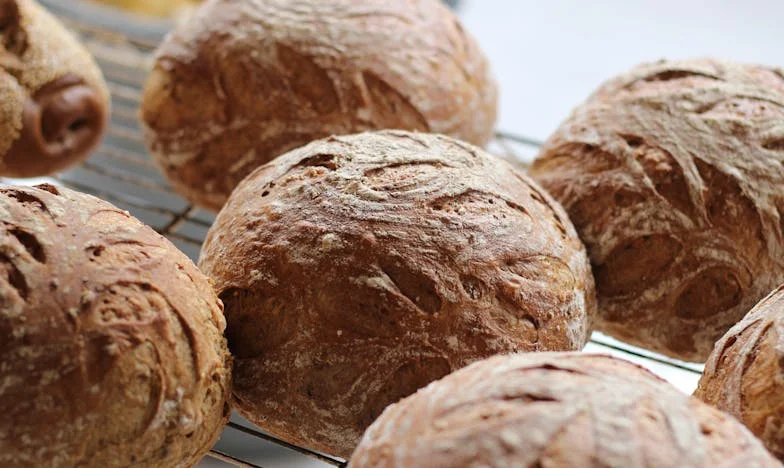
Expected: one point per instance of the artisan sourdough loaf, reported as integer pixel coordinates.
(359, 268)
(246, 81)
(111, 345)
(672, 174)
(53, 100)
(745, 374)
(556, 410)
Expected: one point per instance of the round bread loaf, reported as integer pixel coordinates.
(244, 82)
(672, 175)
(357, 269)
(111, 346)
(745, 374)
(556, 410)
(53, 100)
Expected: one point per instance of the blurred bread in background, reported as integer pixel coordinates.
(54, 103)
(152, 7)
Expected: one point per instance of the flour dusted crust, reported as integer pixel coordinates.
(247, 80)
(111, 346)
(36, 51)
(745, 373)
(556, 410)
(357, 269)
(672, 174)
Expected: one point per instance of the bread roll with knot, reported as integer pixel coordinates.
(357, 269)
(111, 345)
(246, 81)
(556, 410)
(54, 103)
(672, 175)
(745, 373)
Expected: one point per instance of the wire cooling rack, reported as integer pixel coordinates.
(121, 172)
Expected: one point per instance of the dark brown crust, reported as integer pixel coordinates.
(220, 104)
(111, 346)
(357, 269)
(556, 410)
(745, 374)
(54, 104)
(672, 175)
(61, 124)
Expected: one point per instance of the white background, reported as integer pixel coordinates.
(548, 55)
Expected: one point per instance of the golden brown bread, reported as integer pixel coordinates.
(111, 346)
(359, 268)
(246, 81)
(745, 374)
(152, 7)
(556, 410)
(53, 100)
(672, 175)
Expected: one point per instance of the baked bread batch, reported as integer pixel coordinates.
(559, 410)
(368, 252)
(53, 99)
(672, 174)
(111, 340)
(360, 268)
(218, 105)
(745, 374)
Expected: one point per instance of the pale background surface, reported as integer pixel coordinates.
(548, 55)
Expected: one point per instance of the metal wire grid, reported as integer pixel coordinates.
(121, 172)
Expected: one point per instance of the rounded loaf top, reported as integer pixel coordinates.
(111, 345)
(54, 103)
(745, 373)
(555, 409)
(359, 268)
(672, 175)
(245, 81)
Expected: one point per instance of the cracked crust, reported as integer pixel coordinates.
(745, 374)
(672, 175)
(246, 81)
(556, 410)
(111, 346)
(358, 269)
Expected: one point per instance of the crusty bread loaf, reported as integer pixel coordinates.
(745, 374)
(53, 100)
(359, 268)
(556, 410)
(672, 175)
(246, 81)
(111, 346)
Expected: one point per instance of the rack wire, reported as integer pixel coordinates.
(121, 172)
